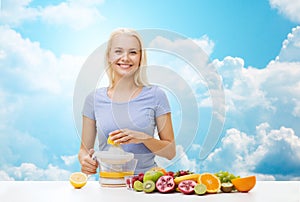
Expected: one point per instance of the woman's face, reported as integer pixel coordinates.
(125, 55)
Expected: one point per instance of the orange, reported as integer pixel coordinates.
(159, 169)
(244, 184)
(211, 181)
(78, 179)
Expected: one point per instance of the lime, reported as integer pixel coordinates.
(138, 186)
(200, 189)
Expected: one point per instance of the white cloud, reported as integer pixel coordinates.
(25, 63)
(69, 160)
(268, 154)
(29, 171)
(13, 12)
(271, 92)
(290, 47)
(289, 8)
(279, 153)
(234, 149)
(16, 147)
(180, 162)
(206, 44)
(190, 63)
(76, 14)
(185, 163)
(242, 85)
(258, 95)
(5, 177)
(31, 79)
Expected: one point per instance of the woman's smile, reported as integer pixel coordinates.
(124, 66)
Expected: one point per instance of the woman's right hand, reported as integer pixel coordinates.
(88, 164)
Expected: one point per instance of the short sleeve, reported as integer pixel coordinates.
(88, 107)
(162, 103)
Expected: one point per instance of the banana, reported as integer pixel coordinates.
(194, 177)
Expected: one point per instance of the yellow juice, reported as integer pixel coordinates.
(108, 174)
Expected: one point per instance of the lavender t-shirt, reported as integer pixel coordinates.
(138, 114)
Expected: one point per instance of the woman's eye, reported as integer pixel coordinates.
(118, 51)
(133, 52)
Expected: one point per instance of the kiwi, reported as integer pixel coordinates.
(138, 186)
(227, 187)
(148, 186)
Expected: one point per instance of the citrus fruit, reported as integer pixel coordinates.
(200, 189)
(211, 181)
(138, 186)
(78, 179)
(159, 169)
(244, 184)
(109, 141)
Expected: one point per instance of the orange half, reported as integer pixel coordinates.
(244, 184)
(211, 181)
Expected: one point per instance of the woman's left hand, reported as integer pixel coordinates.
(126, 136)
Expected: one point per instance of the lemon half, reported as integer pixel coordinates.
(78, 179)
(109, 141)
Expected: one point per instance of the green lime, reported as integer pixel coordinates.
(200, 189)
(138, 185)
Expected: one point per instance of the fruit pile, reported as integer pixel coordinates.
(187, 182)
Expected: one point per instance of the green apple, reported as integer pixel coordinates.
(152, 175)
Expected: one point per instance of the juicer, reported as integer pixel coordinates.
(114, 165)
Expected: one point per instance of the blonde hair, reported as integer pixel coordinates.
(140, 76)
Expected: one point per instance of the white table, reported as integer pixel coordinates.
(43, 191)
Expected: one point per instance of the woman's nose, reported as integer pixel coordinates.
(125, 56)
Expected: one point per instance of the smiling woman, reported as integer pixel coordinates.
(129, 110)
(125, 57)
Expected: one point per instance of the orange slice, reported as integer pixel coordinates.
(78, 179)
(211, 181)
(244, 184)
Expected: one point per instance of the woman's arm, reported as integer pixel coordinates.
(164, 147)
(88, 165)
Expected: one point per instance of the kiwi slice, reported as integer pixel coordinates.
(200, 189)
(138, 186)
(148, 186)
(227, 187)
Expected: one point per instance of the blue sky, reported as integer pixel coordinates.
(254, 45)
